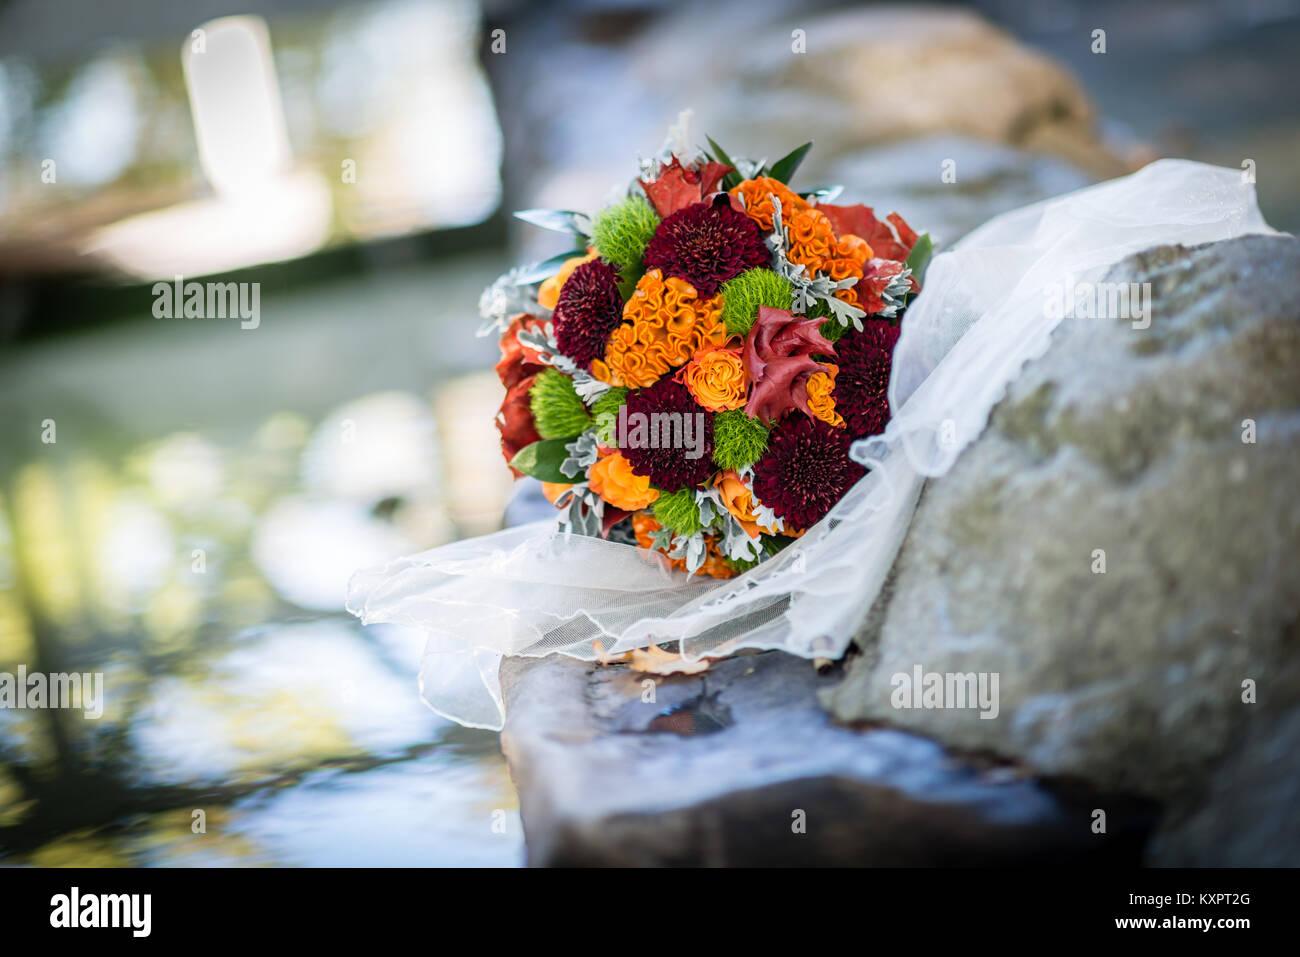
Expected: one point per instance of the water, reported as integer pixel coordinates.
(188, 533)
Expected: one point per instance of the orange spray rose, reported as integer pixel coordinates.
(548, 294)
(717, 379)
(613, 480)
(739, 500)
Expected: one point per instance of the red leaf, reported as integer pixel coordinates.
(611, 517)
(906, 235)
(861, 221)
(778, 357)
(680, 186)
(711, 174)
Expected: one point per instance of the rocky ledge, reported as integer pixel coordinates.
(742, 766)
(1121, 546)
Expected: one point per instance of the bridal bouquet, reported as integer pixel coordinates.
(690, 378)
(718, 379)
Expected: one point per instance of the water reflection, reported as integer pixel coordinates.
(290, 696)
(202, 571)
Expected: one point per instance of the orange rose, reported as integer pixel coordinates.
(739, 500)
(717, 379)
(821, 395)
(553, 490)
(643, 524)
(548, 294)
(613, 480)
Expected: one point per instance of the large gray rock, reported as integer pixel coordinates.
(720, 768)
(1130, 442)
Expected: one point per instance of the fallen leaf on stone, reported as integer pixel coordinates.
(654, 660)
(598, 648)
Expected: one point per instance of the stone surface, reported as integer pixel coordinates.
(878, 74)
(1128, 441)
(715, 770)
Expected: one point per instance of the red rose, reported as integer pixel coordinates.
(515, 420)
(518, 361)
(877, 274)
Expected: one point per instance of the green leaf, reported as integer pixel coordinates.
(548, 267)
(731, 179)
(920, 255)
(917, 261)
(542, 460)
(784, 168)
(560, 220)
(719, 153)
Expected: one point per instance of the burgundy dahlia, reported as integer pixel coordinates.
(706, 244)
(587, 310)
(862, 385)
(805, 470)
(667, 436)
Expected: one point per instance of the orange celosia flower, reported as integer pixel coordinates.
(821, 395)
(850, 255)
(848, 259)
(613, 480)
(664, 324)
(739, 500)
(811, 238)
(810, 233)
(757, 196)
(548, 294)
(717, 379)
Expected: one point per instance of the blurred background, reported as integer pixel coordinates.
(182, 501)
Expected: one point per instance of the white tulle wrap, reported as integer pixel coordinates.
(985, 311)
